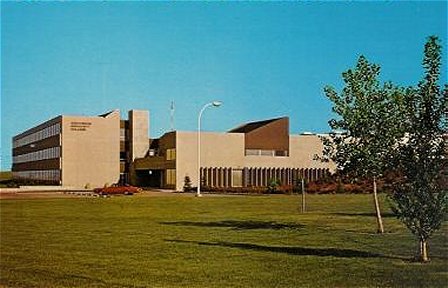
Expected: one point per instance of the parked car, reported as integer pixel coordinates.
(117, 190)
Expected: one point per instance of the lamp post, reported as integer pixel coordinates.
(211, 104)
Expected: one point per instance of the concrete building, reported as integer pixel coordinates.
(101, 150)
(249, 155)
(80, 151)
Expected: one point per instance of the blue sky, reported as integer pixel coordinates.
(262, 59)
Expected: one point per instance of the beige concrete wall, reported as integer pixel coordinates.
(217, 150)
(138, 128)
(90, 150)
(227, 150)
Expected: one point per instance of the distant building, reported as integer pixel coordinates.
(101, 150)
(81, 151)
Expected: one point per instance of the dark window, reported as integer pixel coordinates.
(281, 153)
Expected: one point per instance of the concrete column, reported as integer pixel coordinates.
(139, 133)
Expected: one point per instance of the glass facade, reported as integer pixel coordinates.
(22, 156)
(44, 154)
(37, 136)
(46, 175)
(263, 152)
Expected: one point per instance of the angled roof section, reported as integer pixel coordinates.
(107, 114)
(249, 127)
(271, 134)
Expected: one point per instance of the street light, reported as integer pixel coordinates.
(214, 104)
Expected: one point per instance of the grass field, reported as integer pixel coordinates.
(213, 241)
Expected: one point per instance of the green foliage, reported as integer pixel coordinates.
(420, 202)
(273, 185)
(187, 184)
(421, 210)
(366, 127)
(369, 117)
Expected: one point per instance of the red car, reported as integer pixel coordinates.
(117, 190)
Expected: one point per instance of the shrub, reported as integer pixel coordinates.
(187, 184)
(285, 189)
(235, 190)
(273, 185)
(340, 188)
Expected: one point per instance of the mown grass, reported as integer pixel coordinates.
(213, 241)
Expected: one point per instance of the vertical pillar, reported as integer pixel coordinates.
(224, 177)
(214, 184)
(229, 176)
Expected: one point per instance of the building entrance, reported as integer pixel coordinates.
(149, 178)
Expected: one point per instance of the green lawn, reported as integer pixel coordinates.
(213, 241)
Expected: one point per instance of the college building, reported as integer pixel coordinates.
(93, 151)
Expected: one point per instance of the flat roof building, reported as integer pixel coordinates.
(81, 151)
(101, 150)
(248, 156)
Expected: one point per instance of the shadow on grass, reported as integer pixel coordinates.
(238, 224)
(383, 215)
(298, 251)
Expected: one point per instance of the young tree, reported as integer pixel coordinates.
(187, 184)
(419, 201)
(368, 118)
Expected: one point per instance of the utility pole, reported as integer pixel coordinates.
(172, 116)
(211, 104)
(303, 196)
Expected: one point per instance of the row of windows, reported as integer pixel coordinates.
(170, 176)
(50, 175)
(171, 154)
(260, 152)
(123, 156)
(222, 177)
(123, 134)
(258, 176)
(39, 135)
(49, 153)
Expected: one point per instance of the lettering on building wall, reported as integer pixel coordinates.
(80, 126)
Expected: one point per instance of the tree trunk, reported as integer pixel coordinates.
(379, 221)
(423, 250)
